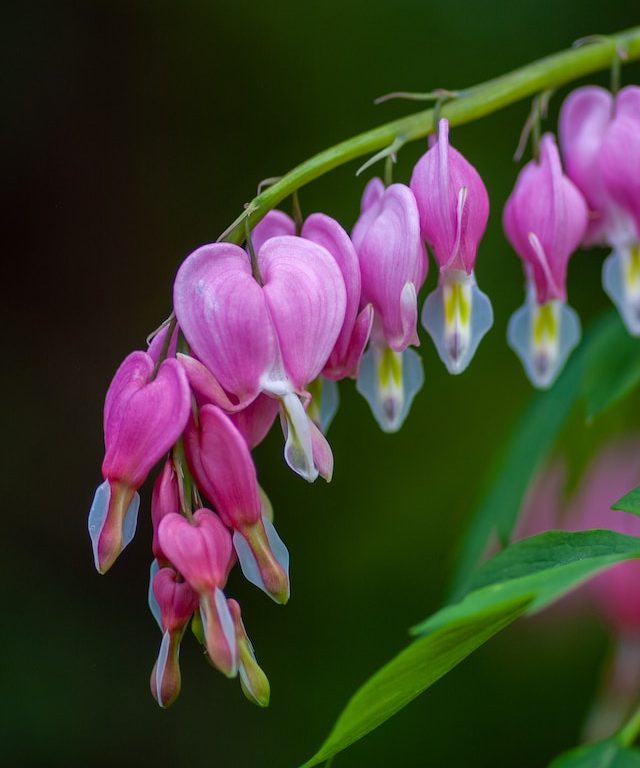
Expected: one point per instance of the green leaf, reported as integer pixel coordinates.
(604, 368)
(545, 566)
(521, 579)
(612, 368)
(604, 754)
(411, 672)
(630, 502)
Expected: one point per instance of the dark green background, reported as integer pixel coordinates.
(135, 131)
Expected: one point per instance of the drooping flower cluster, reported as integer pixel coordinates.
(263, 332)
(550, 213)
(269, 330)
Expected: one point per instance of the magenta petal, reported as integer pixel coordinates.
(200, 549)
(274, 224)
(584, 119)
(369, 209)
(256, 419)
(619, 158)
(164, 499)
(322, 454)
(628, 103)
(224, 469)
(219, 632)
(205, 385)
(306, 297)
(350, 362)
(222, 312)
(165, 676)
(545, 219)
(132, 375)
(391, 254)
(156, 345)
(327, 232)
(176, 599)
(143, 419)
(453, 203)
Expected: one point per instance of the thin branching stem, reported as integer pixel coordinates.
(470, 104)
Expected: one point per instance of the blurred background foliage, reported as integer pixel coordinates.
(135, 131)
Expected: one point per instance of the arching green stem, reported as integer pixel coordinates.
(469, 104)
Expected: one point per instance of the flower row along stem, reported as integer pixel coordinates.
(468, 105)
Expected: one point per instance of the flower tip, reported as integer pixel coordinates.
(165, 679)
(112, 522)
(264, 559)
(543, 336)
(389, 381)
(621, 282)
(457, 315)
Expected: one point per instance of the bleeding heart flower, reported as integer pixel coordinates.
(221, 463)
(272, 335)
(393, 266)
(600, 139)
(545, 219)
(454, 208)
(143, 418)
(201, 551)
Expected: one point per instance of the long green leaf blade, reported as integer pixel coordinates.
(523, 578)
(604, 754)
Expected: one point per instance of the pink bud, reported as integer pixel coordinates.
(201, 551)
(349, 347)
(166, 679)
(584, 119)
(176, 599)
(222, 465)
(545, 219)
(157, 342)
(392, 260)
(256, 419)
(205, 386)
(274, 224)
(165, 499)
(174, 603)
(453, 203)
(274, 336)
(253, 680)
(143, 418)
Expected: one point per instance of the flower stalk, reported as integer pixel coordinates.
(470, 104)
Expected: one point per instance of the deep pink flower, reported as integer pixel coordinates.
(201, 551)
(585, 120)
(273, 337)
(255, 420)
(392, 260)
(454, 209)
(143, 418)
(322, 229)
(619, 157)
(221, 463)
(453, 203)
(165, 499)
(393, 266)
(545, 219)
(600, 139)
(176, 601)
(157, 342)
